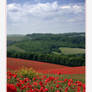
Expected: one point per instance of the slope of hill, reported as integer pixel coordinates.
(68, 51)
(16, 64)
(64, 49)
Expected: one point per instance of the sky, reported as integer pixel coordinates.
(45, 16)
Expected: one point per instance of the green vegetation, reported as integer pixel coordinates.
(14, 48)
(80, 77)
(44, 83)
(29, 73)
(16, 37)
(65, 49)
(72, 50)
(68, 60)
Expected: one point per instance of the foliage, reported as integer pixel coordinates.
(45, 47)
(68, 60)
(47, 43)
(27, 72)
(43, 84)
(67, 51)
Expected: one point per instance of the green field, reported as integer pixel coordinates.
(80, 77)
(16, 37)
(64, 49)
(14, 48)
(68, 51)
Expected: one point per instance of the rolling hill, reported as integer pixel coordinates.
(16, 64)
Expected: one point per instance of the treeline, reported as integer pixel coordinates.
(73, 40)
(47, 43)
(48, 46)
(42, 47)
(67, 60)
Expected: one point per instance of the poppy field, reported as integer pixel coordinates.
(41, 83)
(41, 67)
(43, 77)
(46, 46)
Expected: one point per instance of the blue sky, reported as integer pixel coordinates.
(45, 16)
(45, 1)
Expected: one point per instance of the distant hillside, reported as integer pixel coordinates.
(47, 43)
(53, 48)
(16, 64)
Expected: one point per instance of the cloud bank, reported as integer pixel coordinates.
(45, 17)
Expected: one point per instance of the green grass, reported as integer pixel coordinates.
(80, 77)
(67, 51)
(16, 37)
(14, 48)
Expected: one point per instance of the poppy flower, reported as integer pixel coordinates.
(11, 88)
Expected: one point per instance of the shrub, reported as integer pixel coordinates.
(25, 72)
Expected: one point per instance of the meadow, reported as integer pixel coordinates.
(34, 76)
(46, 62)
(68, 51)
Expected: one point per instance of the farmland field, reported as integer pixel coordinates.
(46, 63)
(16, 37)
(65, 49)
(46, 46)
(14, 48)
(15, 64)
(72, 50)
(46, 68)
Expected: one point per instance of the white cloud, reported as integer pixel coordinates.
(13, 6)
(65, 7)
(17, 11)
(44, 16)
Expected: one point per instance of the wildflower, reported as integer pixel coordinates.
(58, 73)
(35, 83)
(40, 83)
(69, 84)
(26, 80)
(78, 89)
(18, 84)
(46, 89)
(21, 81)
(83, 86)
(66, 89)
(57, 85)
(51, 78)
(14, 75)
(51, 88)
(35, 90)
(41, 89)
(79, 84)
(65, 80)
(28, 85)
(70, 80)
(44, 76)
(57, 91)
(11, 88)
(34, 79)
(31, 90)
(22, 88)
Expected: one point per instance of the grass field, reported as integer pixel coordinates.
(80, 77)
(16, 37)
(14, 48)
(72, 50)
